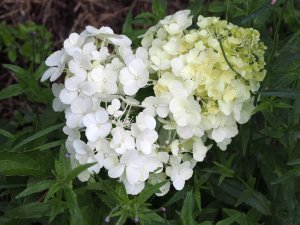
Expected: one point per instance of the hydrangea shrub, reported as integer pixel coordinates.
(150, 114)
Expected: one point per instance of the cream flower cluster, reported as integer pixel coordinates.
(201, 77)
(208, 72)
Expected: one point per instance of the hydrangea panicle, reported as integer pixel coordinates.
(201, 76)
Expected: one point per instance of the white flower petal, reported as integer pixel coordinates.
(133, 174)
(130, 88)
(57, 73)
(116, 171)
(89, 120)
(101, 116)
(88, 88)
(73, 83)
(80, 147)
(178, 184)
(55, 58)
(48, 73)
(67, 97)
(92, 133)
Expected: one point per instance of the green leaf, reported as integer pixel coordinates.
(144, 18)
(6, 134)
(282, 93)
(257, 200)
(56, 208)
(187, 209)
(196, 7)
(197, 192)
(29, 211)
(245, 137)
(243, 197)
(37, 187)
(228, 221)
(176, 197)
(78, 170)
(38, 135)
(111, 197)
(148, 192)
(127, 25)
(159, 8)
(18, 71)
(234, 216)
(9, 186)
(206, 223)
(18, 164)
(90, 187)
(151, 218)
(289, 174)
(122, 218)
(48, 145)
(261, 11)
(76, 215)
(294, 162)
(54, 188)
(216, 7)
(11, 91)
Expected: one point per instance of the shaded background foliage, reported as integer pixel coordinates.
(256, 181)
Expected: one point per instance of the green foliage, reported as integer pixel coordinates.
(26, 45)
(25, 42)
(256, 181)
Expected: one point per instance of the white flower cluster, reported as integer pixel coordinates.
(198, 96)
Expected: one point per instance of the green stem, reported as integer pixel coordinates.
(226, 59)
